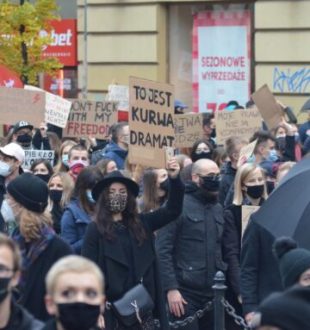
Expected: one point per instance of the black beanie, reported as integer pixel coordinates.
(293, 261)
(29, 191)
(288, 310)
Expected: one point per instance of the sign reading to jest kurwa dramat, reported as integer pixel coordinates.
(90, 118)
(237, 123)
(188, 129)
(150, 121)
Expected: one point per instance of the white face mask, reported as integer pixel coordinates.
(7, 212)
(5, 169)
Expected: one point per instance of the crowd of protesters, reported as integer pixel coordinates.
(81, 234)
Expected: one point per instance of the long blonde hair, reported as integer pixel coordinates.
(242, 174)
(68, 186)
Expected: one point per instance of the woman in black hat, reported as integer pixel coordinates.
(120, 241)
(40, 246)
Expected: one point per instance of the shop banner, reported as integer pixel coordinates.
(64, 42)
(221, 59)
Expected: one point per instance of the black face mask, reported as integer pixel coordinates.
(44, 177)
(24, 139)
(202, 155)
(4, 287)
(55, 195)
(164, 185)
(211, 184)
(255, 191)
(78, 316)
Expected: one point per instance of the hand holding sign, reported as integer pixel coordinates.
(173, 168)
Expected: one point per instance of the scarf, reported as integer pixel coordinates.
(31, 251)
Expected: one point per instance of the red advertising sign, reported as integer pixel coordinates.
(64, 42)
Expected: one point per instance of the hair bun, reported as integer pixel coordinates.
(282, 245)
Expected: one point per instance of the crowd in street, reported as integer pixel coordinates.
(91, 241)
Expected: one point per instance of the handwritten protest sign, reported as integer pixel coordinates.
(32, 155)
(246, 152)
(239, 123)
(246, 212)
(90, 118)
(150, 121)
(119, 94)
(56, 108)
(188, 129)
(18, 104)
(267, 105)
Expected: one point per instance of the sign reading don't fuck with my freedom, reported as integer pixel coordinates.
(150, 121)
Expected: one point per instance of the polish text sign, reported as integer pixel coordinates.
(221, 59)
(151, 121)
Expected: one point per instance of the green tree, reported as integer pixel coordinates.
(20, 42)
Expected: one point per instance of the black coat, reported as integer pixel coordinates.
(260, 274)
(189, 249)
(111, 257)
(51, 325)
(32, 296)
(227, 180)
(20, 319)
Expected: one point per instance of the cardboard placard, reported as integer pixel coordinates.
(237, 123)
(90, 118)
(18, 104)
(267, 105)
(150, 121)
(119, 94)
(246, 152)
(56, 108)
(188, 129)
(246, 212)
(32, 155)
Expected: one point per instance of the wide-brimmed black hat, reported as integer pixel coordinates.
(115, 176)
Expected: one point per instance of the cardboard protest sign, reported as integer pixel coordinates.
(56, 108)
(32, 155)
(18, 104)
(188, 129)
(237, 123)
(246, 212)
(150, 121)
(246, 152)
(90, 118)
(119, 94)
(267, 105)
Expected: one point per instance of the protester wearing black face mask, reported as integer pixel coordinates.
(155, 189)
(12, 315)
(60, 188)
(82, 308)
(22, 134)
(201, 149)
(249, 189)
(186, 276)
(42, 169)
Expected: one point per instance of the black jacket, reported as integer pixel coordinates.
(51, 325)
(32, 296)
(189, 249)
(260, 274)
(227, 180)
(112, 259)
(20, 319)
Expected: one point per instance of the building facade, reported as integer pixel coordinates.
(153, 40)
